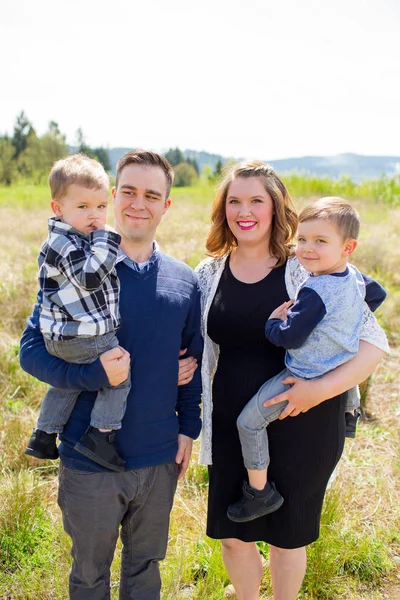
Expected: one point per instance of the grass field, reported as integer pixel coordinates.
(358, 553)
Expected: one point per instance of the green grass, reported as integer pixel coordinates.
(361, 516)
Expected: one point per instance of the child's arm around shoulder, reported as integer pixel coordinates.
(307, 311)
(86, 269)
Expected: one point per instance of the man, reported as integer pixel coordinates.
(160, 316)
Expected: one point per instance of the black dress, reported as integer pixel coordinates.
(304, 449)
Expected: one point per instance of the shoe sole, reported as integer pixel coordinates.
(97, 459)
(263, 513)
(37, 454)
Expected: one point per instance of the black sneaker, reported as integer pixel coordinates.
(42, 445)
(351, 423)
(255, 503)
(99, 447)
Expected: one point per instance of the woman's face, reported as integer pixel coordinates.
(249, 210)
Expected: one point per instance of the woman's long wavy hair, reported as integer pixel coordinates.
(221, 241)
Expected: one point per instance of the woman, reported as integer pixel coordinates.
(250, 274)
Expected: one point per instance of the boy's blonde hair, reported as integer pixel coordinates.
(337, 211)
(76, 169)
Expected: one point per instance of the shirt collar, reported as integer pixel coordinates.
(57, 226)
(122, 257)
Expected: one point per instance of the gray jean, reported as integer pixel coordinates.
(110, 404)
(94, 506)
(254, 419)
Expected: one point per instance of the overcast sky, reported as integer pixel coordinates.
(261, 79)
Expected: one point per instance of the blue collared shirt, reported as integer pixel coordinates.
(140, 267)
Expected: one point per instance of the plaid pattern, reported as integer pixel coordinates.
(79, 283)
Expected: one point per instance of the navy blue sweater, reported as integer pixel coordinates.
(160, 314)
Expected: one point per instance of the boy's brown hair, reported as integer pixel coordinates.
(76, 169)
(337, 211)
(147, 159)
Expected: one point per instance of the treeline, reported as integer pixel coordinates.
(29, 157)
(26, 155)
(187, 170)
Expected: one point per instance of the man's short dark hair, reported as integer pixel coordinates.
(149, 159)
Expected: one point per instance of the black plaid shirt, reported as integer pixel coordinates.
(79, 283)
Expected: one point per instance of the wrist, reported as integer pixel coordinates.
(325, 389)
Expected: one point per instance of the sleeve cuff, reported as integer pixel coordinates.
(97, 376)
(105, 236)
(191, 429)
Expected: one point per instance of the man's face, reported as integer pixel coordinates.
(140, 202)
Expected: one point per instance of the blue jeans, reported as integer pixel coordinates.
(110, 404)
(254, 419)
(96, 507)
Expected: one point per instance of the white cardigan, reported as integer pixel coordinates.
(209, 272)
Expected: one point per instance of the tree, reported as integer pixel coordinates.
(8, 168)
(193, 162)
(53, 144)
(32, 161)
(22, 129)
(100, 153)
(185, 174)
(174, 156)
(218, 168)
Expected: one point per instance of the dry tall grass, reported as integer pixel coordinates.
(359, 546)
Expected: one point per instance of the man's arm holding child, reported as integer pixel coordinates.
(188, 400)
(111, 368)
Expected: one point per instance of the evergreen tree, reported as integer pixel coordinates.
(218, 168)
(8, 168)
(31, 161)
(53, 144)
(193, 162)
(175, 156)
(100, 153)
(22, 129)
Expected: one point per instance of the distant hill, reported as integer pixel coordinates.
(356, 166)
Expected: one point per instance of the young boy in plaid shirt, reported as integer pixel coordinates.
(79, 315)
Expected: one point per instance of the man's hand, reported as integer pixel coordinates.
(302, 396)
(184, 453)
(116, 363)
(281, 311)
(187, 367)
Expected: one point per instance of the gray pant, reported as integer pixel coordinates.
(254, 419)
(110, 404)
(94, 506)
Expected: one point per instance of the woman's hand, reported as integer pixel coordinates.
(302, 396)
(116, 363)
(187, 367)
